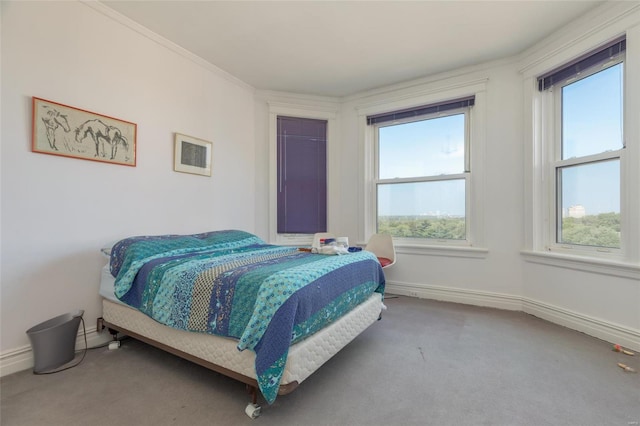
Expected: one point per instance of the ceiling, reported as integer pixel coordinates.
(339, 48)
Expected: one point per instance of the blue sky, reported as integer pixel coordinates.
(422, 148)
(591, 124)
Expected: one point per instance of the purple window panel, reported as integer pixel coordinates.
(302, 175)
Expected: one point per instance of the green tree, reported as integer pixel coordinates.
(422, 227)
(602, 230)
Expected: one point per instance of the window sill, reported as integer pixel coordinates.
(300, 240)
(583, 263)
(449, 251)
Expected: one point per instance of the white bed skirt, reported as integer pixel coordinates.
(304, 358)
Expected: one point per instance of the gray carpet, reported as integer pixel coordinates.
(424, 363)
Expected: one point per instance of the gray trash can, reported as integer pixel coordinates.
(54, 341)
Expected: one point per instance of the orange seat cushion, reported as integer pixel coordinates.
(384, 261)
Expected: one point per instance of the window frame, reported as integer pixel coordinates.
(316, 112)
(465, 175)
(431, 93)
(551, 103)
(536, 132)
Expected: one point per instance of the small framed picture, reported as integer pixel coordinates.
(192, 155)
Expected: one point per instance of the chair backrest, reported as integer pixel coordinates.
(318, 236)
(382, 246)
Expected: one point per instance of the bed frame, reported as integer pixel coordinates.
(220, 354)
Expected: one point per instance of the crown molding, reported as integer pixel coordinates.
(600, 21)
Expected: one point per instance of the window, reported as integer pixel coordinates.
(586, 151)
(422, 172)
(301, 175)
(306, 126)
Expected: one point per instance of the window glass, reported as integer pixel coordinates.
(592, 114)
(422, 148)
(588, 188)
(590, 204)
(433, 209)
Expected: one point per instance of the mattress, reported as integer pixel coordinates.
(304, 357)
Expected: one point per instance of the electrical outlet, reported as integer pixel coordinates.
(413, 293)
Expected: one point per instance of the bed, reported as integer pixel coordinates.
(266, 315)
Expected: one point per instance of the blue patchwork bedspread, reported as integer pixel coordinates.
(231, 283)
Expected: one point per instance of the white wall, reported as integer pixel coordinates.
(57, 212)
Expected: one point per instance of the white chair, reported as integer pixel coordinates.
(382, 246)
(319, 236)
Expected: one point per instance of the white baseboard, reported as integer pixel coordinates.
(605, 330)
(457, 295)
(21, 358)
(595, 327)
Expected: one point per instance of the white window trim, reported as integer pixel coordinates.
(333, 163)
(552, 144)
(583, 263)
(474, 245)
(537, 226)
(466, 176)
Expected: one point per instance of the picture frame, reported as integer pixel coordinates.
(192, 155)
(68, 131)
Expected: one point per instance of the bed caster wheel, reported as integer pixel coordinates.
(253, 410)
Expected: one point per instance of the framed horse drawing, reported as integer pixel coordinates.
(71, 132)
